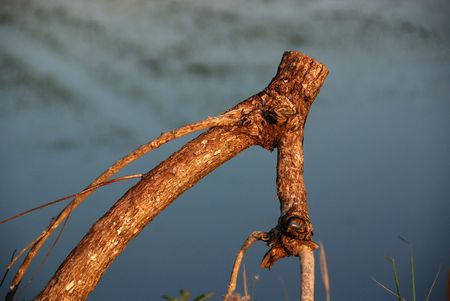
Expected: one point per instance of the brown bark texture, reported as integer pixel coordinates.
(273, 118)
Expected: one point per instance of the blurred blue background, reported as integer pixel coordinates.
(84, 82)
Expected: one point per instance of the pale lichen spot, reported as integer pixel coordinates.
(206, 156)
(217, 152)
(204, 141)
(69, 287)
(93, 257)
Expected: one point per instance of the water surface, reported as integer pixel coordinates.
(84, 82)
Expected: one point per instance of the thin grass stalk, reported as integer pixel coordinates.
(324, 270)
(396, 278)
(413, 278)
(7, 268)
(434, 283)
(388, 290)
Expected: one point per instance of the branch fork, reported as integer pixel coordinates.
(273, 118)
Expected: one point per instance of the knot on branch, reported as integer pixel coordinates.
(270, 119)
(284, 104)
(296, 227)
(287, 238)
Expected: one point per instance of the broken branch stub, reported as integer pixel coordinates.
(272, 118)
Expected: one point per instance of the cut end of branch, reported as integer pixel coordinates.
(235, 297)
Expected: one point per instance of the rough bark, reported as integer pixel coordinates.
(229, 118)
(273, 118)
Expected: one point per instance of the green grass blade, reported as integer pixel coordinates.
(411, 260)
(413, 277)
(396, 279)
(184, 295)
(203, 297)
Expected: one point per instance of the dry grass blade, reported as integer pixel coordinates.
(324, 270)
(388, 290)
(14, 260)
(244, 280)
(433, 284)
(7, 269)
(33, 276)
(124, 178)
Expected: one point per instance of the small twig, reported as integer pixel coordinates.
(7, 268)
(324, 270)
(257, 235)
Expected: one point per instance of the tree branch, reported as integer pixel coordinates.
(228, 118)
(272, 118)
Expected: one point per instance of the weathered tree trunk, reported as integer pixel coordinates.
(273, 118)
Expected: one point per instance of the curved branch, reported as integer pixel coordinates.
(255, 236)
(228, 118)
(80, 272)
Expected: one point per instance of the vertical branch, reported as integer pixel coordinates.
(293, 234)
(307, 271)
(294, 220)
(291, 187)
